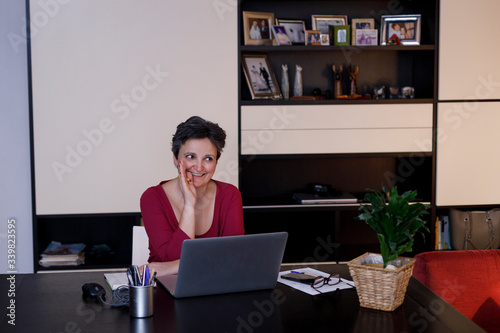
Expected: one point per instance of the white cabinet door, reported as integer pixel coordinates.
(111, 81)
(469, 45)
(468, 154)
(325, 129)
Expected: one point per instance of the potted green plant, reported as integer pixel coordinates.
(381, 279)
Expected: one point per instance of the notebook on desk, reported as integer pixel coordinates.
(229, 264)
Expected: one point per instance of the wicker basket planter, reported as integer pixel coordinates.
(380, 288)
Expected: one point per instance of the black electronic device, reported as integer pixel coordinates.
(94, 290)
(300, 277)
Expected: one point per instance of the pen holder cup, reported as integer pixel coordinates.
(141, 301)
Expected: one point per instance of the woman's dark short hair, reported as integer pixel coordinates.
(198, 128)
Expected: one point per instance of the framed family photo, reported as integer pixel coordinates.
(313, 37)
(281, 36)
(341, 34)
(366, 37)
(361, 24)
(405, 27)
(260, 76)
(257, 28)
(323, 22)
(295, 30)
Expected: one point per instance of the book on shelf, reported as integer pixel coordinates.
(58, 254)
(442, 233)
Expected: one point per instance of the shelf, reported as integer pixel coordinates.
(332, 48)
(337, 101)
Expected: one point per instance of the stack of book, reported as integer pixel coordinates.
(57, 254)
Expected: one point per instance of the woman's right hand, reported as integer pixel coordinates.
(186, 184)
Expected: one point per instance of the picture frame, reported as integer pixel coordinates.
(295, 30)
(323, 22)
(257, 28)
(393, 25)
(325, 39)
(260, 77)
(366, 37)
(280, 35)
(341, 34)
(361, 24)
(313, 37)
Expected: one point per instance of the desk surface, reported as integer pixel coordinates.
(53, 303)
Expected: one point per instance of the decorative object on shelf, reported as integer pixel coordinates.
(327, 94)
(342, 34)
(280, 35)
(260, 76)
(381, 280)
(361, 24)
(337, 73)
(407, 92)
(367, 37)
(353, 76)
(475, 230)
(393, 92)
(295, 30)
(313, 37)
(323, 22)
(406, 28)
(379, 92)
(393, 41)
(257, 28)
(297, 85)
(317, 92)
(285, 85)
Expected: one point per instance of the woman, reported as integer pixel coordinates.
(193, 205)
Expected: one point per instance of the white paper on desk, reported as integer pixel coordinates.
(344, 284)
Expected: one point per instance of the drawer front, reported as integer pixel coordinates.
(321, 129)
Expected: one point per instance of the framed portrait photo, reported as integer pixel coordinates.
(325, 39)
(260, 76)
(281, 36)
(295, 30)
(366, 37)
(257, 28)
(341, 34)
(405, 27)
(323, 22)
(361, 24)
(313, 37)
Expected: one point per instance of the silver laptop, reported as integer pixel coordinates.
(221, 265)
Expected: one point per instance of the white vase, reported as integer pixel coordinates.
(297, 86)
(285, 86)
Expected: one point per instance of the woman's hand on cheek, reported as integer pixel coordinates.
(186, 184)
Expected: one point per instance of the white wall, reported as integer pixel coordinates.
(15, 181)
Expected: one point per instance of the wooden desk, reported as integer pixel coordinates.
(53, 302)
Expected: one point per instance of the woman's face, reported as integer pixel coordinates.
(200, 158)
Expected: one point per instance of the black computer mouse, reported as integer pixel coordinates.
(93, 289)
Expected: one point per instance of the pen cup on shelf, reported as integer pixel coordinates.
(141, 301)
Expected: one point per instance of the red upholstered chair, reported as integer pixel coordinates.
(469, 280)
